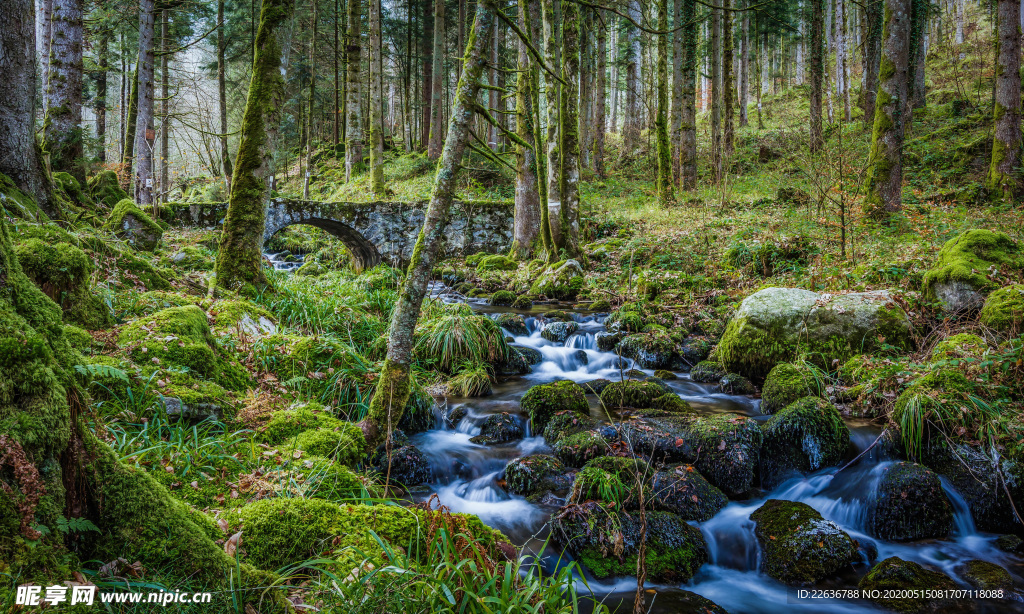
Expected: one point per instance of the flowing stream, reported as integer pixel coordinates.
(467, 479)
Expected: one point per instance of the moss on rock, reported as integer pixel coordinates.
(902, 586)
(343, 443)
(683, 491)
(806, 436)
(910, 504)
(789, 382)
(130, 223)
(496, 262)
(514, 323)
(566, 423)
(543, 401)
(535, 476)
(612, 479)
(286, 425)
(986, 576)
(63, 272)
(562, 281)
(651, 350)
(502, 298)
(707, 371)
(800, 547)
(960, 346)
(631, 393)
(575, 450)
(959, 278)
(104, 187)
(1004, 310)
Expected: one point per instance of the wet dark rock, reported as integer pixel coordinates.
(1010, 543)
(517, 363)
(455, 415)
(558, 332)
(707, 371)
(581, 356)
(607, 542)
(653, 350)
(575, 450)
(804, 437)
(532, 355)
(910, 504)
(734, 383)
(543, 401)
(799, 546)
(513, 323)
(893, 583)
(566, 423)
(985, 575)
(499, 428)
(607, 341)
(536, 476)
(408, 466)
(683, 491)
(595, 386)
(695, 350)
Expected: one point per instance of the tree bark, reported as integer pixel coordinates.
(376, 110)
(310, 96)
(631, 121)
(62, 126)
(664, 185)
(800, 21)
(885, 170)
(728, 90)
(817, 61)
(569, 147)
(165, 114)
(716, 92)
(239, 257)
(688, 109)
(144, 119)
(527, 201)
(744, 88)
(676, 120)
(353, 94)
(222, 97)
(600, 93)
(552, 92)
(393, 386)
(918, 35)
(842, 68)
(19, 155)
(614, 126)
(1006, 138)
(100, 102)
(872, 57)
(436, 141)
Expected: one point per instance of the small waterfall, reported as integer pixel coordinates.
(963, 522)
(284, 261)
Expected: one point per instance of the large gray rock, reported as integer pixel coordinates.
(779, 325)
(562, 282)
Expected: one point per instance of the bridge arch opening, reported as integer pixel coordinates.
(364, 254)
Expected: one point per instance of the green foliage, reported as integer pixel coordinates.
(454, 335)
(543, 401)
(472, 380)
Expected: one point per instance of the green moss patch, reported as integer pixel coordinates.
(800, 547)
(805, 436)
(902, 586)
(1004, 310)
(543, 401)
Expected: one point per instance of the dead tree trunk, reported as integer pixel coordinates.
(393, 386)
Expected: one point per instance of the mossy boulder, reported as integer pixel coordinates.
(558, 332)
(653, 350)
(612, 479)
(543, 401)
(671, 403)
(606, 341)
(959, 347)
(242, 316)
(561, 280)
(566, 423)
(499, 428)
(133, 226)
(514, 323)
(406, 465)
(522, 302)
(535, 476)
(799, 546)
(636, 394)
(575, 450)
(943, 386)
(503, 298)
(789, 382)
(1004, 310)
(959, 280)
(662, 374)
(600, 305)
(910, 504)
(903, 586)
(607, 542)
(343, 443)
(683, 491)
(734, 383)
(707, 371)
(985, 575)
(807, 435)
(72, 190)
(532, 356)
(778, 325)
(496, 263)
(625, 321)
(77, 338)
(284, 426)
(17, 203)
(104, 187)
(694, 350)
(63, 272)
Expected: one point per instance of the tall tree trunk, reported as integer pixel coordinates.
(130, 117)
(600, 94)
(688, 108)
(540, 156)
(376, 108)
(426, 53)
(552, 93)
(872, 56)
(959, 18)
(1006, 139)
(885, 165)
(353, 93)
(239, 257)
(393, 386)
(19, 154)
(586, 87)
(918, 38)
(631, 122)
(45, 40)
(436, 141)
(817, 61)
(716, 92)
(614, 126)
(665, 183)
(744, 88)
(100, 102)
(165, 114)
(569, 147)
(336, 112)
(310, 96)
(222, 97)
(800, 21)
(527, 203)
(728, 90)
(676, 127)
(62, 127)
(144, 120)
(842, 69)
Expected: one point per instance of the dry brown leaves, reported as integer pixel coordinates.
(29, 482)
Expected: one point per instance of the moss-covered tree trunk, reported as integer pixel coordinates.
(728, 86)
(376, 110)
(872, 18)
(552, 91)
(664, 187)
(436, 141)
(1006, 140)
(20, 159)
(62, 127)
(131, 113)
(688, 104)
(569, 143)
(100, 101)
(631, 121)
(817, 69)
(144, 136)
(600, 92)
(885, 169)
(393, 387)
(716, 92)
(239, 258)
(527, 202)
(540, 154)
(353, 93)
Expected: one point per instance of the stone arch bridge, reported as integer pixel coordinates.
(374, 232)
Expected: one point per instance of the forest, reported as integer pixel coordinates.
(480, 306)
